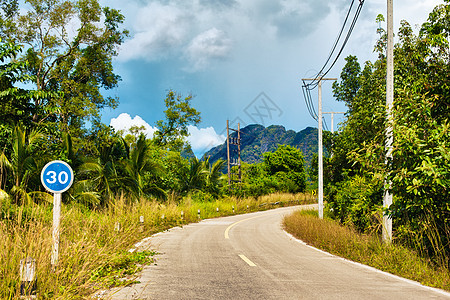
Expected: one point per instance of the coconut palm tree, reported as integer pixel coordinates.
(214, 176)
(104, 176)
(23, 164)
(139, 167)
(192, 178)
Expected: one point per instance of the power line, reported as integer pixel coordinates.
(317, 82)
(325, 125)
(334, 46)
(307, 87)
(308, 100)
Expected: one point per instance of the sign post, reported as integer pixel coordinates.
(56, 177)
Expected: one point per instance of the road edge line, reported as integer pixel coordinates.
(416, 283)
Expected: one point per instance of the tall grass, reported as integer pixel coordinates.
(92, 254)
(330, 236)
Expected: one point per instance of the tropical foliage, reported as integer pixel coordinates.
(179, 114)
(281, 170)
(70, 45)
(419, 167)
(46, 123)
(63, 76)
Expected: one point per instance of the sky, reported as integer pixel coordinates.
(242, 60)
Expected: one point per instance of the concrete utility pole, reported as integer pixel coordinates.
(387, 200)
(320, 154)
(233, 162)
(228, 154)
(332, 118)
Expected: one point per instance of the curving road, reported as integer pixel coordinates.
(251, 257)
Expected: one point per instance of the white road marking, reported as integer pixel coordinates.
(227, 236)
(248, 261)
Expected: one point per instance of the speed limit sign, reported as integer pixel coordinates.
(57, 176)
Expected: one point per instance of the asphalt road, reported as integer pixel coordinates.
(251, 257)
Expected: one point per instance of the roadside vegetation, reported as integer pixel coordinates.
(345, 241)
(52, 82)
(51, 98)
(356, 170)
(419, 168)
(94, 251)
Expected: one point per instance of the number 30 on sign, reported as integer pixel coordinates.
(57, 176)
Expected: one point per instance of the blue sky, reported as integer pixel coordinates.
(241, 59)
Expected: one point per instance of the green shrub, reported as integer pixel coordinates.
(345, 241)
(357, 201)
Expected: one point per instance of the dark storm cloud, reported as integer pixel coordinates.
(299, 18)
(292, 18)
(229, 51)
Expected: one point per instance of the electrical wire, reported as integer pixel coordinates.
(325, 125)
(309, 102)
(352, 26)
(316, 82)
(307, 87)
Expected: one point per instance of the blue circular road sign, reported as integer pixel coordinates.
(57, 176)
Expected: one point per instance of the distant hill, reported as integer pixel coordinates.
(257, 139)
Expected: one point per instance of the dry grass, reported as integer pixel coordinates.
(92, 254)
(343, 241)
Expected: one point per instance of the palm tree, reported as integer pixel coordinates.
(70, 152)
(84, 191)
(214, 176)
(23, 163)
(193, 177)
(139, 165)
(105, 175)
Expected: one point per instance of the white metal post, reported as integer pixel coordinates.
(387, 200)
(55, 232)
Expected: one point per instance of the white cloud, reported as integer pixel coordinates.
(211, 44)
(203, 139)
(125, 122)
(268, 46)
(158, 30)
(202, 31)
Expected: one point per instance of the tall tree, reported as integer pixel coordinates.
(15, 106)
(70, 45)
(286, 166)
(179, 114)
(13, 100)
(421, 156)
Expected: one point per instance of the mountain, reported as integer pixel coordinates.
(257, 139)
